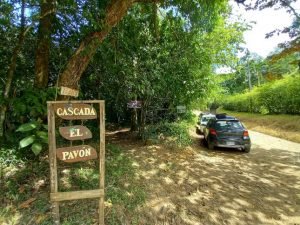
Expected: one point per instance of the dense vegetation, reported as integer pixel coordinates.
(157, 54)
(277, 97)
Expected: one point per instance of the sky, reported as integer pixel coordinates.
(266, 20)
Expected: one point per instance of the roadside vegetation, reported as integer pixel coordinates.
(172, 134)
(276, 97)
(25, 191)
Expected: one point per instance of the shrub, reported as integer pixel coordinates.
(173, 134)
(281, 96)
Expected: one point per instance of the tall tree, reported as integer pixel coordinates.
(12, 66)
(198, 11)
(47, 13)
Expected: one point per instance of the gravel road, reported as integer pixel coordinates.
(223, 186)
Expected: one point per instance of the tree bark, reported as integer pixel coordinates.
(87, 48)
(134, 120)
(12, 67)
(43, 44)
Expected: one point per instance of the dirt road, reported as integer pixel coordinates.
(224, 186)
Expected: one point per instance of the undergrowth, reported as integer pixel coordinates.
(174, 134)
(25, 191)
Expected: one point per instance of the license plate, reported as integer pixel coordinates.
(230, 143)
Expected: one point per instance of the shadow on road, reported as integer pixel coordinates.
(223, 186)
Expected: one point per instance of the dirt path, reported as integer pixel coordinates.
(198, 186)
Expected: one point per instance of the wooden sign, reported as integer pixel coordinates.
(69, 91)
(76, 153)
(134, 104)
(75, 111)
(73, 133)
(181, 109)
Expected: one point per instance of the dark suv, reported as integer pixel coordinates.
(226, 131)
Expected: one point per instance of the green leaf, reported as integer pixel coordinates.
(27, 141)
(45, 126)
(36, 148)
(27, 127)
(43, 135)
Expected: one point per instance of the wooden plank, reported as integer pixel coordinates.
(68, 91)
(76, 153)
(75, 195)
(53, 162)
(102, 160)
(73, 133)
(75, 111)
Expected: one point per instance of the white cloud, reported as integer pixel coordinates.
(266, 21)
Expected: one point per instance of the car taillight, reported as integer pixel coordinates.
(212, 131)
(246, 133)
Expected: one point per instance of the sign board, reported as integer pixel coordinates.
(73, 133)
(69, 91)
(134, 104)
(75, 110)
(181, 109)
(76, 153)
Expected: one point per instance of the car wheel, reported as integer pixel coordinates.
(247, 149)
(210, 145)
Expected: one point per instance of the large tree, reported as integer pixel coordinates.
(195, 12)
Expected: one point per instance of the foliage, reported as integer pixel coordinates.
(36, 136)
(164, 67)
(9, 156)
(172, 134)
(29, 181)
(280, 96)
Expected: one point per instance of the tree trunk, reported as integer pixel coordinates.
(12, 67)
(87, 48)
(134, 120)
(43, 44)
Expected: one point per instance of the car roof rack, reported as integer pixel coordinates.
(221, 116)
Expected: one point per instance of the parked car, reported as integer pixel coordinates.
(203, 119)
(228, 132)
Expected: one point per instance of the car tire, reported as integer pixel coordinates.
(210, 145)
(247, 149)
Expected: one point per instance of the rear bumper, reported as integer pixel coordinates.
(230, 143)
(232, 146)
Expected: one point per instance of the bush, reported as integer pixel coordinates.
(173, 134)
(281, 96)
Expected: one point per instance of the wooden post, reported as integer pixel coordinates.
(55, 196)
(53, 162)
(102, 161)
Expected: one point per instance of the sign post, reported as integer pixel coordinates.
(75, 110)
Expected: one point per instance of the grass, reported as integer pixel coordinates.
(282, 126)
(26, 192)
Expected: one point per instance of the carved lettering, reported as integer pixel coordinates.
(76, 153)
(77, 132)
(75, 111)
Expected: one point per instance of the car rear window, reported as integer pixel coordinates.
(223, 125)
(206, 118)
